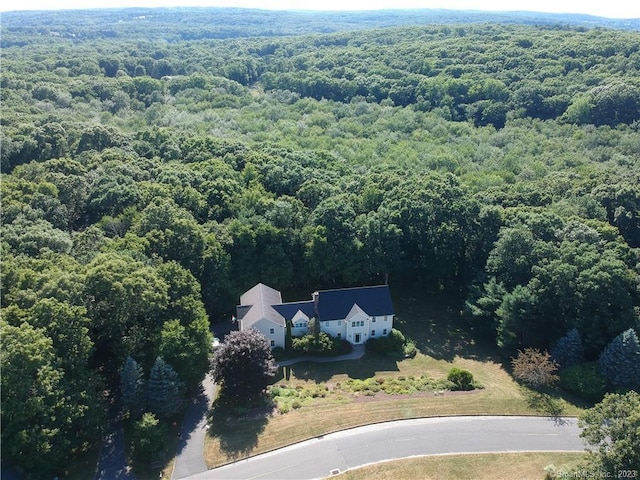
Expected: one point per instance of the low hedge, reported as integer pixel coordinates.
(323, 345)
(395, 343)
(584, 380)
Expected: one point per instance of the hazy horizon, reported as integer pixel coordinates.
(614, 9)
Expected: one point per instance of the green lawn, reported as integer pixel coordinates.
(507, 466)
(443, 340)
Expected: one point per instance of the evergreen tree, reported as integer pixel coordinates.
(568, 349)
(620, 360)
(132, 387)
(165, 392)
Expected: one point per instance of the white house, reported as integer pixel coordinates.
(353, 314)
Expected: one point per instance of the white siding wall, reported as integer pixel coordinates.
(299, 318)
(358, 324)
(387, 322)
(266, 327)
(379, 325)
(346, 330)
(334, 327)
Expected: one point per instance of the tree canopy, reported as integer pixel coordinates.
(156, 164)
(243, 366)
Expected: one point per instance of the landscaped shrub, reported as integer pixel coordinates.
(462, 379)
(584, 380)
(278, 353)
(620, 360)
(324, 344)
(409, 349)
(394, 343)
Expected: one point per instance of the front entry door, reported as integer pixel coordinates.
(357, 338)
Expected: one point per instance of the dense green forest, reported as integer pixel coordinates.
(157, 163)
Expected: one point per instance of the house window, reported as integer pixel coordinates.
(272, 331)
(273, 343)
(384, 332)
(373, 319)
(326, 324)
(339, 322)
(373, 333)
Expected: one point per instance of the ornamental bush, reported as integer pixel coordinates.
(394, 343)
(462, 379)
(324, 344)
(584, 380)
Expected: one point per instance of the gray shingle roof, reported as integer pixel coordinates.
(259, 299)
(288, 310)
(265, 302)
(336, 304)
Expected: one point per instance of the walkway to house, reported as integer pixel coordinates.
(358, 352)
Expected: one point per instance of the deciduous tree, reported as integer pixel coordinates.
(243, 365)
(611, 429)
(534, 368)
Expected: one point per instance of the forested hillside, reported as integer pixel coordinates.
(149, 177)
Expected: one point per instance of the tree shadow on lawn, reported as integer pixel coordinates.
(436, 324)
(548, 402)
(551, 401)
(238, 427)
(365, 367)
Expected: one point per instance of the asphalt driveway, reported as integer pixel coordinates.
(337, 452)
(190, 451)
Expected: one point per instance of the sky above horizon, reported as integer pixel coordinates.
(610, 9)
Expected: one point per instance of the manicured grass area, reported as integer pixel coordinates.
(524, 466)
(443, 340)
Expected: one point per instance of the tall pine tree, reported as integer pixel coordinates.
(165, 391)
(620, 360)
(132, 387)
(568, 349)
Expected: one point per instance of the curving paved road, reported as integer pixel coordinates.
(322, 456)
